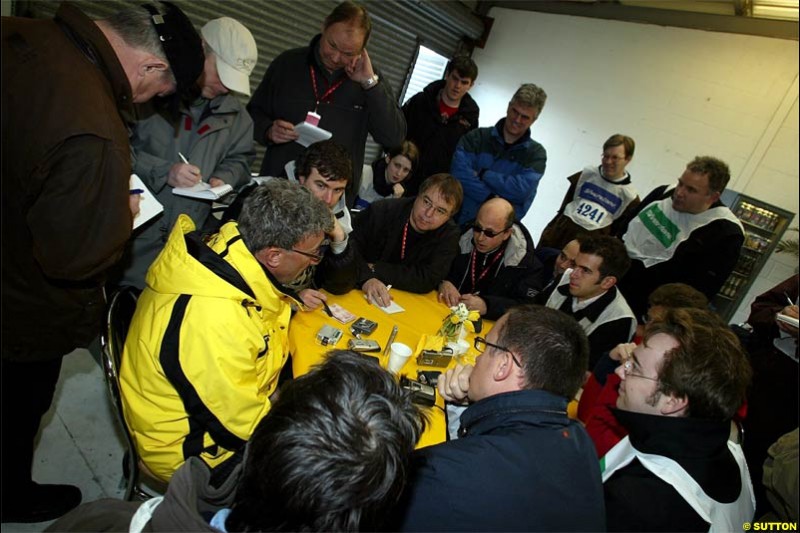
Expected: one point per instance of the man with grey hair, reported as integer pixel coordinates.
(67, 89)
(213, 131)
(503, 160)
(210, 333)
(518, 454)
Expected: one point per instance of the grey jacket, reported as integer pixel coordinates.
(214, 135)
(189, 500)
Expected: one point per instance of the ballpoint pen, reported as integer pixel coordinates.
(326, 308)
(788, 299)
(389, 342)
(183, 158)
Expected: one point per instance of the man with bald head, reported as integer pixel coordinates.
(496, 267)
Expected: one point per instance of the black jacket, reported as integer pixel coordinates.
(378, 236)
(703, 261)
(514, 279)
(435, 137)
(637, 500)
(286, 93)
(520, 464)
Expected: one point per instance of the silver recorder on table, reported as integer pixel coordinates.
(433, 358)
(363, 326)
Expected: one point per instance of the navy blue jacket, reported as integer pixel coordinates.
(487, 167)
(520, 465)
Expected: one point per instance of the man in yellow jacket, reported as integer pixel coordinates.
(209, 336)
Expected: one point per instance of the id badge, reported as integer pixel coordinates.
(313, 118)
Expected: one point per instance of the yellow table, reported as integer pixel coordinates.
(423, 315)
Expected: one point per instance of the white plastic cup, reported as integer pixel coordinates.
(459, 347)
(399, 354)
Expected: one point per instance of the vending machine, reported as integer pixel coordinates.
(764, 226)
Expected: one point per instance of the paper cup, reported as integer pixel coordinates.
(399, 355)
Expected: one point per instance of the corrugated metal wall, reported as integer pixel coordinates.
(278, 25)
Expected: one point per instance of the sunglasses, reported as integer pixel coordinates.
(489, 233)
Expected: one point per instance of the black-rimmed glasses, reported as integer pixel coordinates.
(481, 344)
(489, 233)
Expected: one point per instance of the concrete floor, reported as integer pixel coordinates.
(79, 442)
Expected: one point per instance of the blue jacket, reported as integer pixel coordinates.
(486, 167)
(520, 465)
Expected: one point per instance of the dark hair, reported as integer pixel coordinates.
(551, 345)
(672, 295)
(281, 214)
(717, 171)
(708, 367)
(618, 139)
(408, 150)
(350, 13)
(330, 158)
(332, 452)
(449, 187)
(464, 66)
(615, 257)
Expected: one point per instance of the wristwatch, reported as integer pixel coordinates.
(370, 82)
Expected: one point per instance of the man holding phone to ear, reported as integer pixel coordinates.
(333, 77)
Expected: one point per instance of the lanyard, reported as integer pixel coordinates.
(328, 93)
(474, 259)
(403, 247)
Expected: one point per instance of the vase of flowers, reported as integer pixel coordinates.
(458, 323)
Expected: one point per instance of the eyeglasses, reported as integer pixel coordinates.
(612, 158)
(489, 233)
(428, 204)
(627, 367)
(481, 344)
(315, 257)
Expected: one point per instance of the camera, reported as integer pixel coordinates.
(363, 326)
(420, 394)
(329, 335)
(434, 358)
(363, 345)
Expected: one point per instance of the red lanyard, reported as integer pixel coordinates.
(329, 92)
(403, 248)
(474, 259)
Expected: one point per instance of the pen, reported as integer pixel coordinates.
(787, 298)
(388, 288)
(392, 336)
(183, 158)
(137, 191)
(327, 309)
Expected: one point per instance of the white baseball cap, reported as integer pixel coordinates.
(235, 51)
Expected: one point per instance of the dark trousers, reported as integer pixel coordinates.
(28, 389)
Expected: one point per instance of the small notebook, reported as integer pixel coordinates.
(203, 191)
(788, 320)
(149, 207)
(309, 134)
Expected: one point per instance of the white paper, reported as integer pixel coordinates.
(391, 309)
(309, 134)
(788, 319)
(149, 207)
(203, 191)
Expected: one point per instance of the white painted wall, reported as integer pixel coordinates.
(678, 92)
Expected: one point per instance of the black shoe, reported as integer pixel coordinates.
(40, 503)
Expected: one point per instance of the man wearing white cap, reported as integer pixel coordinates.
(211, 130)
